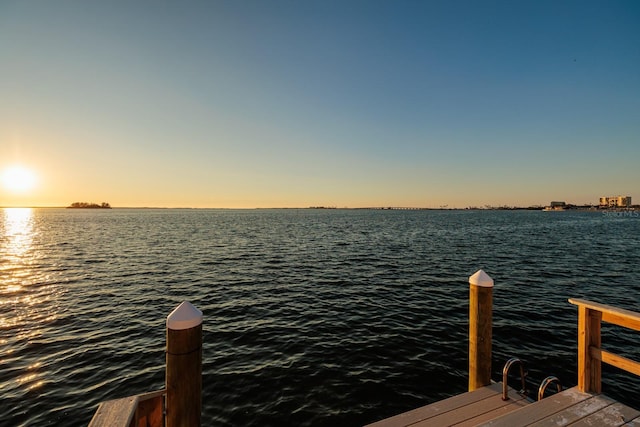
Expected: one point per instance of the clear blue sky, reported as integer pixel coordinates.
(342, 103)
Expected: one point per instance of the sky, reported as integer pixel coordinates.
(350, 103)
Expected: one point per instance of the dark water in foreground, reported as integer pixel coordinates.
(312, 317)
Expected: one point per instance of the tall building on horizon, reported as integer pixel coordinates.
(615, 202)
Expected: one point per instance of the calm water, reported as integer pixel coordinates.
(312, 317)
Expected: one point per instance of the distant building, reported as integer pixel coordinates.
(555, 206)
(615, 202)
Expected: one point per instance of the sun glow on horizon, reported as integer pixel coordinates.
(18, 179)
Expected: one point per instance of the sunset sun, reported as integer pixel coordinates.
(18, 179)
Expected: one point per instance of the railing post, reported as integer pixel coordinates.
(480, 329)
(589, 368)
(184, 366)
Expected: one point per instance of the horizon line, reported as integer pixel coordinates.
(381, 207)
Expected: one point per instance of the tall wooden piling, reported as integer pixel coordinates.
(184, 367)
(480, 329)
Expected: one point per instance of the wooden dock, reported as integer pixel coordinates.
(582, 405)
(485, 407)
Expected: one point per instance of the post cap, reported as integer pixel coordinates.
(480, 278)
(184, 316)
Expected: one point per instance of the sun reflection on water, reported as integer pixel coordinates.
(18, 230)
(17, 237)
(15, 242)
(23, 286)
(28, 300)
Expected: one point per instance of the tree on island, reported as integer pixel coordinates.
(85, 205)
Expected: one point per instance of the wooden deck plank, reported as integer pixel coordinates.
(633, 423)
(433, 409)
(540, 410)
(458, 409)
(115, 413)
(473, 410)
(575, 412)
(612, 415)
(512, 405)
(485, 407)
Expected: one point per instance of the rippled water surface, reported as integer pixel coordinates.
(312, 317)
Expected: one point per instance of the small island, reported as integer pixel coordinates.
(85, 205)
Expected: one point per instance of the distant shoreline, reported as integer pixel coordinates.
(496, 208)
(85, 205)
(569, 207)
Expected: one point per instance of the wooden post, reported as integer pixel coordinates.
(184, 366)
(589, 367)
(480, 329)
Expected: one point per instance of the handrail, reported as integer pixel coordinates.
(505, 377)
(545, 383)
(590, 352)
(151, 394)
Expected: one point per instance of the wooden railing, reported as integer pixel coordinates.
(590, 352)
(142, 410)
